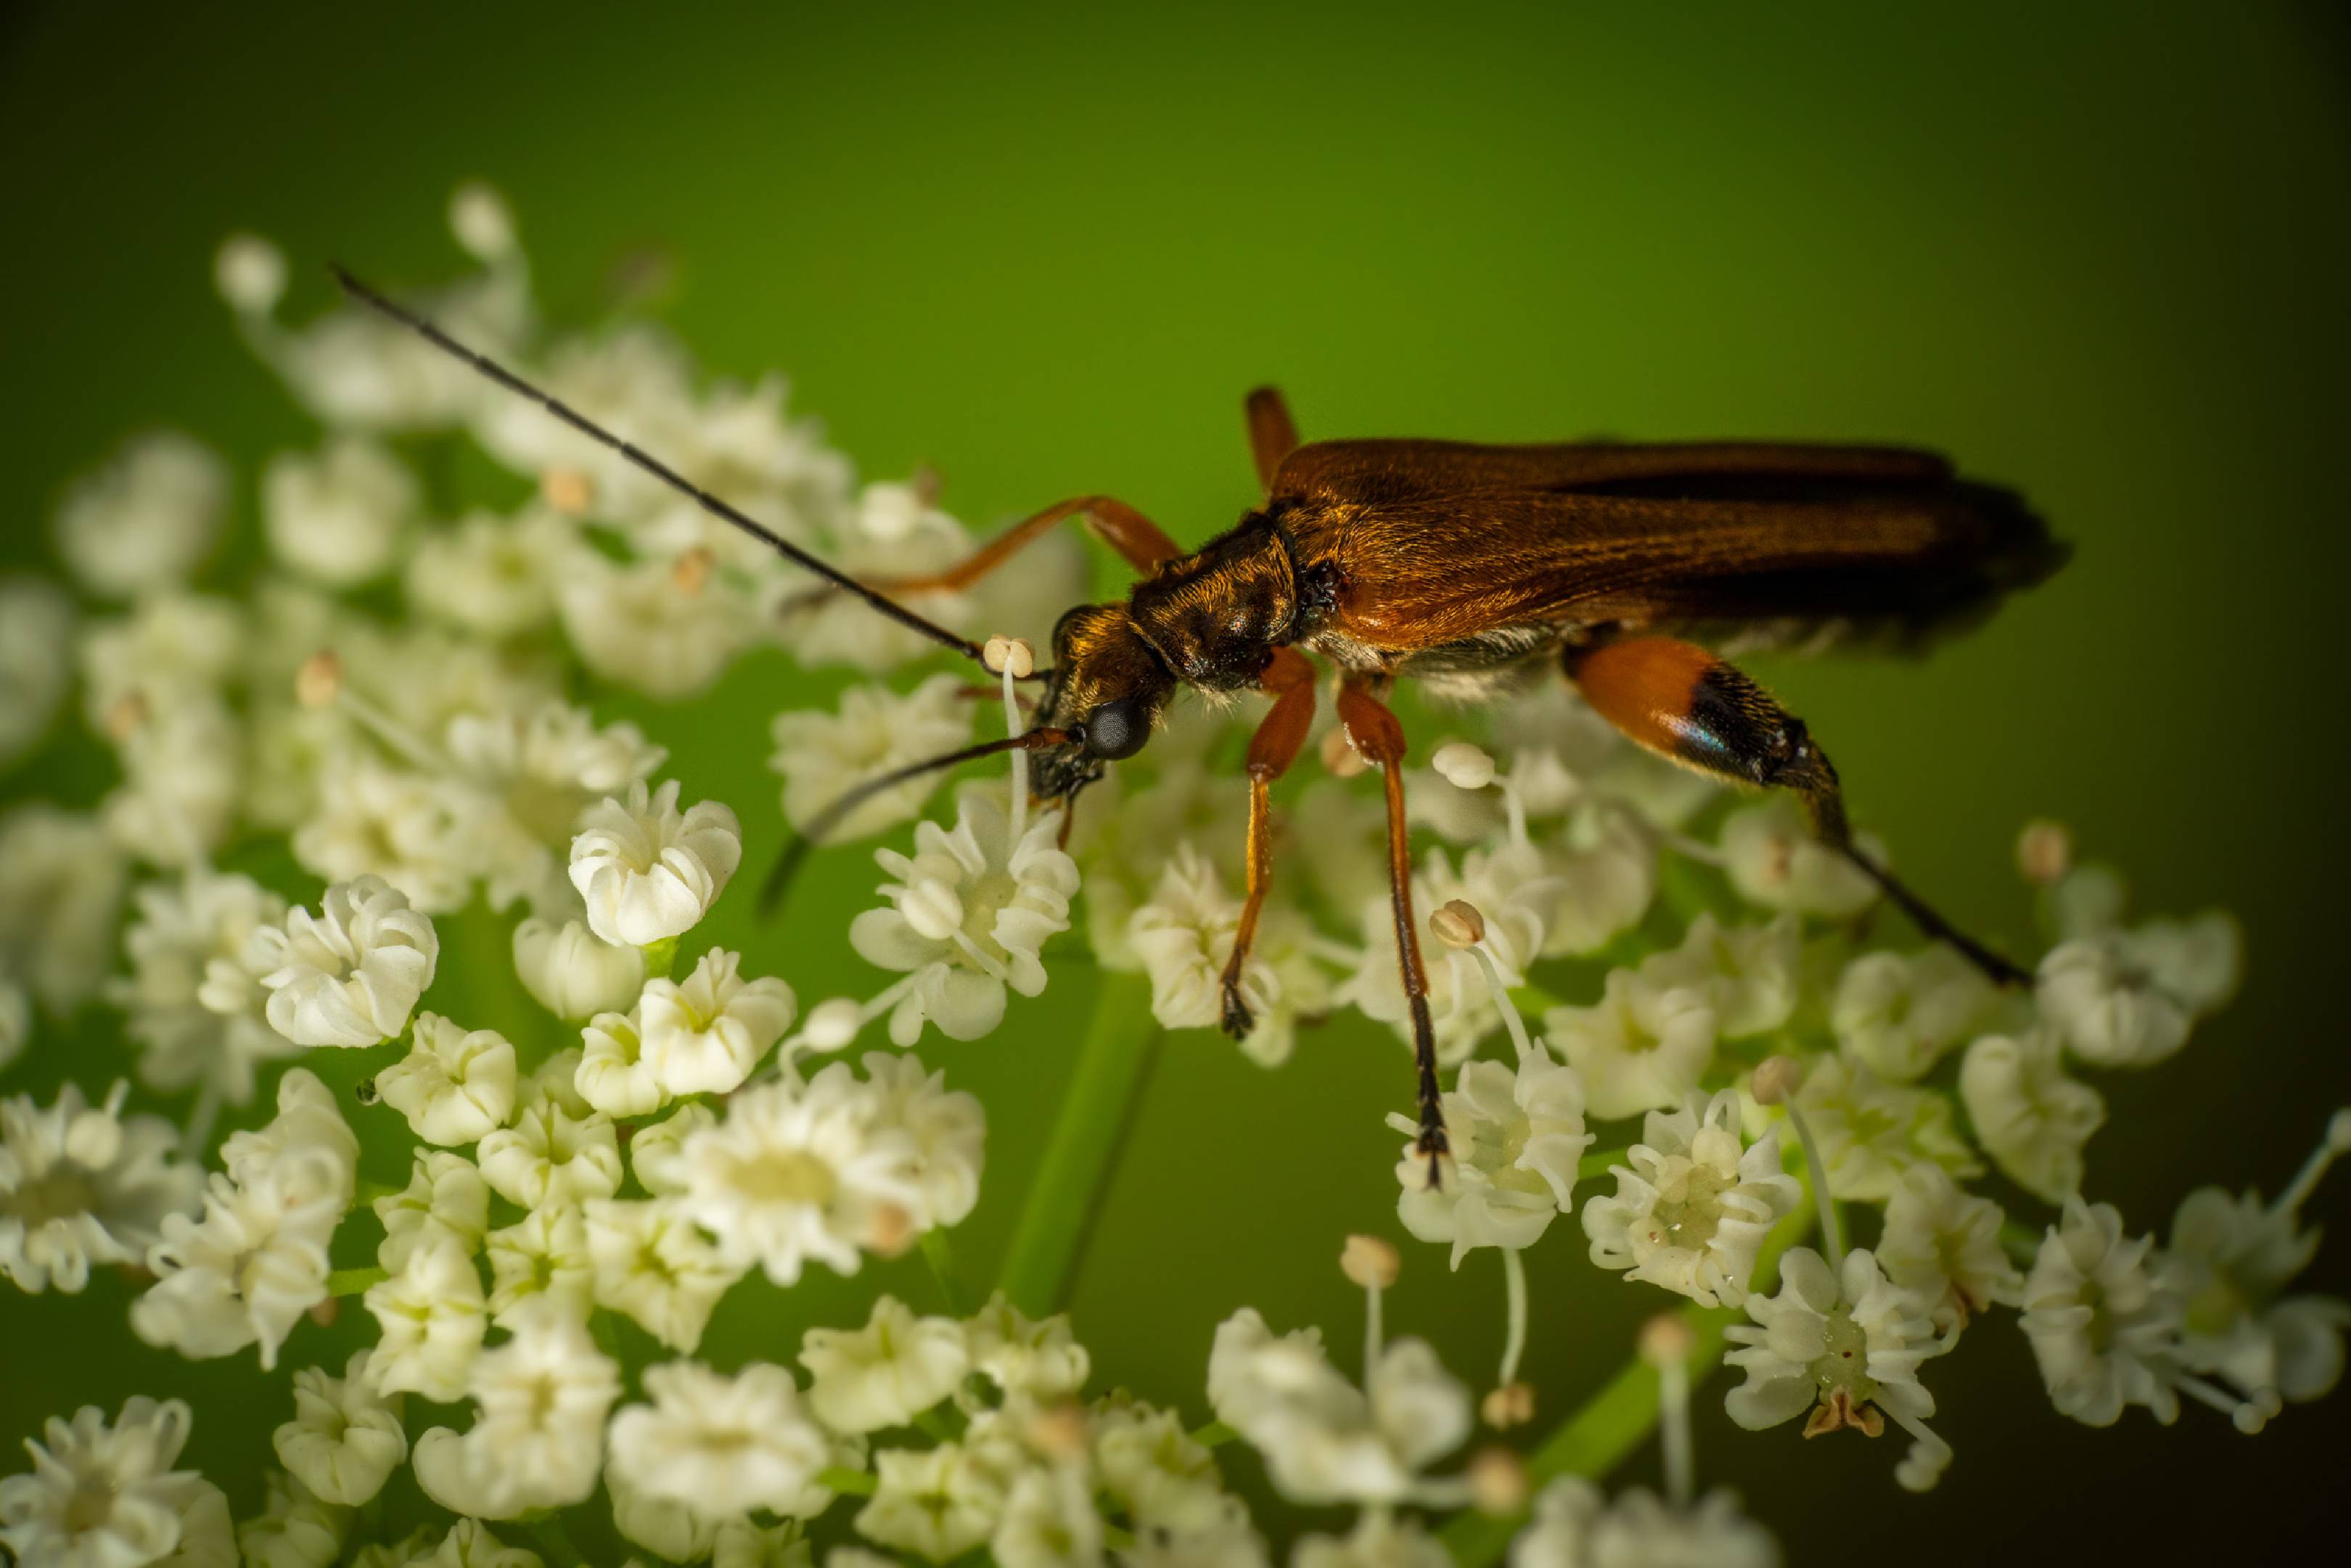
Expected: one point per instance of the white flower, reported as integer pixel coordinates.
(823, 755)
(194, 1008)
(1575, 1527)
(351, 974)
(2102, 1328)
(247, 1271)
(295, 1530)
(2128, 998)
(651, 1264)
(345, 1439)
(470, 1544)
(1692, 1203)
(538, 767)
(575, 973)
(891, 531)
(541, 1260)
(172, 645)
(445, 1200)
(551, 1156)
(1747, 974)
(648, 872)
(1037, 1360)
(641, 626)
(656, 1152)
(80, 1186)
(430, 1311)
(1378, 1541)
(2229, 1260)
(336, 516)
(207, 1537)
(1184, 937)
(415, 832)
(537, 1441)
(1868, 1132)
(1944, 1246)
(1638, 1048)
(354, 369)
(146, 518)
(36, 622)
(1230, 1545)
(1323, 1439)
(663, 1526)
(885, 1373)
(942, 1501)
(968, 911)
(1773, 859)
(1513, 888)
(181, 765)
(492, 576)
(2028, 1115)
(1608, 873)
(1516, 1138)
(802, 1171)
(743, 1544)
(1845, 1344)
(250, 274)
(949, 1129)
(1159, 1477)
(722, 1444)
(61, 884)
(613, 1076)
(100, 1496)
(454, 1085)
(1898, 1013)
(704, 1037)
(1049, 1521)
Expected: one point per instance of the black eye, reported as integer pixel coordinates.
(1117, 729)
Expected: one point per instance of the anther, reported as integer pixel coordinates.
(1666, 1341)
(691, 571)
(2044, 853)
(1463, 766)
(832, 1024)
(319, 681)
(1059, 1431)
(1497, 1481)
(1776, 1078)
(1511, 1405)
(890, 1229)
(1458, 924)
(567, 490)
(1009, 655)
(1370, 1261)
(126, 717)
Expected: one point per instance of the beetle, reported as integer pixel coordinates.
(1472, 569)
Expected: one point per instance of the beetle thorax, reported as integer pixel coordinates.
(1216, 615)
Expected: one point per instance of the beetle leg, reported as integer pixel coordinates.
(1289, 681)
(1134, 536)
(1272, 433)
(1379, 739)
(1688, 706)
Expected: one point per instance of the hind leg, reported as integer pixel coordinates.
(1683, 703)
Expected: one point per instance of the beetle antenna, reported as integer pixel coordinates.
(819, 827)
(653, 465)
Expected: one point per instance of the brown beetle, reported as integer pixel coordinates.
(1470, 568)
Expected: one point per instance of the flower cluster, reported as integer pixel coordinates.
(1668, 1015)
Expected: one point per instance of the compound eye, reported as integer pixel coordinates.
(1117, 729)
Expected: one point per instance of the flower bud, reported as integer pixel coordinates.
(573, 973)
(250, 274)
(1463, 766)
(832, 1024)
(480, 221)
(1369, 1262)
(2044, 853)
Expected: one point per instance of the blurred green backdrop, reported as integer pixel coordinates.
(2096, 250)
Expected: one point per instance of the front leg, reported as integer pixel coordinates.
(1378, 738)
(1289, 681)
(1139, 542)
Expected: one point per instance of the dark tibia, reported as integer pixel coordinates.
(1433, 1142)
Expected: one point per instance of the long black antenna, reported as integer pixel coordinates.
(654, 467)
(787, 864)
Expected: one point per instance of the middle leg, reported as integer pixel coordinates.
(1289, 681)
(1378, 738)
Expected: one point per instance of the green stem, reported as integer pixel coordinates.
(941, 1258)
(1598, 1162)
(1618, 1417)
(1215, 1434)
(351, 1282)
(1073, 1176)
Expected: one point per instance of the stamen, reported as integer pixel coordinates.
(1514, 1333)
(1013, 659)
(320, 681)
(1774, 1083)
(2249, 1415)
(1665, 1344)
(2337, 1145)
(1461, 924)
(1928, 1458)
(1372, 1263)
(973, 951)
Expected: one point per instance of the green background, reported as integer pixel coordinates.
(2095, 251)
